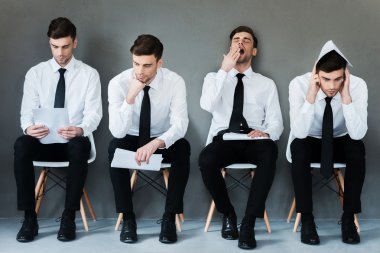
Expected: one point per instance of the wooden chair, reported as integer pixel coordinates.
(47, 172)
(237, 183)
(339, 179)
(165, 167)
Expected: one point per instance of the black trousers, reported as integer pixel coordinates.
(28, 149)
(346, 150)
(220, 154)
(177, 154)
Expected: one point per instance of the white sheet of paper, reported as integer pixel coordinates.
(53, 118)
(240, 137)
(126, 159)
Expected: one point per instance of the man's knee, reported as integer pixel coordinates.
(207, 160)
(268, 150)
(354, 150)
(181, 148)
(79, 148)
(24, 145)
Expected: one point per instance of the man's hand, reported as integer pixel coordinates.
(257, 133)
(345, 90)
(134, 89)
(37, 131)
(229, 60)
(315, 85)
(70, 132)
(145, 152)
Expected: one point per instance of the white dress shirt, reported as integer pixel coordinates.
(261, 107)
(306, 119)
(167, 95)
(82, 93)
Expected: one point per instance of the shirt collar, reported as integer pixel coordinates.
(247, 73)
(69, 67)
(321, 95)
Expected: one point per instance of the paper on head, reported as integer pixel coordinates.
(330, 46)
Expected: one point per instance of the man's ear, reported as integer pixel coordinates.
(75, 42)
(254, 52)
(160, 63)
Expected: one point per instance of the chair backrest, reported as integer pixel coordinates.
(66, 163)
(238, 166)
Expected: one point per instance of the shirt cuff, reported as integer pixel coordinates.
(125, 107)
(86, 131)
(221, 74)
(24, 127)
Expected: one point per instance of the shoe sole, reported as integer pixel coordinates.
(310, 243)
(167, 241)
(65, 239)
(129, 241)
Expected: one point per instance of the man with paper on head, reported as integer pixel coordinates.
(328, 119)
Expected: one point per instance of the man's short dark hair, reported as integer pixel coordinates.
(330, 62)
(147, 44)
(247, 30)
(61, 27)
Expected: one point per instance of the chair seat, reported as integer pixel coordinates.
(239, 166)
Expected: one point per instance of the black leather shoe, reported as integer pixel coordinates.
(28, 230)
(168, 231)
(128, 231)
(349, 232)
(229, 228)
(309, 233)
(67, 229)
(247, 237)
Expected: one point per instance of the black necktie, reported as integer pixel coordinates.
(327, 161)
(144, 127)
(59, 101)
(237, 120)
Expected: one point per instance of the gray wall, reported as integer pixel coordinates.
(195, 35)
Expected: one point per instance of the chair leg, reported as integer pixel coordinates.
(297, 222)
(209, 215)
(41, 179)
(89, 205)
(292, 209)
(266, 220)
(83, 214)
(339, 180)
(40, 188)
(133, 183)
(119, 219)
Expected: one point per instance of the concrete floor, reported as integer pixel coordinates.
(102, 238)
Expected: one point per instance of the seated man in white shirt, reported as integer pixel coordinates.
(148, 114)
(62, 81)
(241, 101)
(328, 119)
